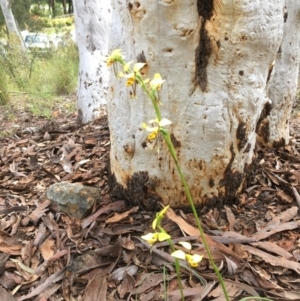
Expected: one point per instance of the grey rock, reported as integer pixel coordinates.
(74, 199)
(87, 261)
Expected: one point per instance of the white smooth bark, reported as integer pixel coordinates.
(92, 25)
(282, 88)
(10, 20)
(215, 128)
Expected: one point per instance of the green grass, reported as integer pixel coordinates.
(4, 95)
(39, 83)
(55, 29)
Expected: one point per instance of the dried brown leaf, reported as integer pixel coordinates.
(274, 228)
(272, 248)
(35, 215)
(230, 217)
(119, 217)
(42, 287)
(275, 261)
(116, 206)
(127, 285)
(96, 290)
(186, 228)
(283, 197)
(47, 248)
(151, 280)
(14, 170)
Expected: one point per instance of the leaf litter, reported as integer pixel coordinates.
(47, 255)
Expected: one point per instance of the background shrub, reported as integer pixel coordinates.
(4, 95)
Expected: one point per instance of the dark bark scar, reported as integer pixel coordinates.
(140, 191)
(207, 44)
(232, 179)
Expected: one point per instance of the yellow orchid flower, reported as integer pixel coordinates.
(161, 123)
(151, 238)
(138, 66)
(159, 217)
(163, 236)
(115, 56)
(193, 260)
(153, 135)
(155, 129)
(186, 245)
(156, 82)
(178, 254)
(130, 79)
(127, 66)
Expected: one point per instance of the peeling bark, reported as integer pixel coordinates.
(215, 61)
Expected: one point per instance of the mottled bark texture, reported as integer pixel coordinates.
(214, 57)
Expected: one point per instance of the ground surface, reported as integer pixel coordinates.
(46, 255)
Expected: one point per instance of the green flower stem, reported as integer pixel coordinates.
(140, 80)
(170, 145)
(177, 269)
(167, 138)
(190, 199)
(151, 96)
(177, 265)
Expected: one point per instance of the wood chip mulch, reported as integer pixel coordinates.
(47, 255)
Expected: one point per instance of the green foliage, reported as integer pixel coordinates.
(40, 106)
(4, 96)
(15, 62)
(42, 22)
(36, 24)
(21, 12)
(37, 80)
(57, 73)
(64, 69)
(36, 10)
(61, 22)
(35, 17)
(69, 21)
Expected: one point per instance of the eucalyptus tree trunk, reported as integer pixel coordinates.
(92, 25)
(215, 58)
(10, 20)
(282, 87)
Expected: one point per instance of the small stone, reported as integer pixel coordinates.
(74, 199)
(87, 261)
